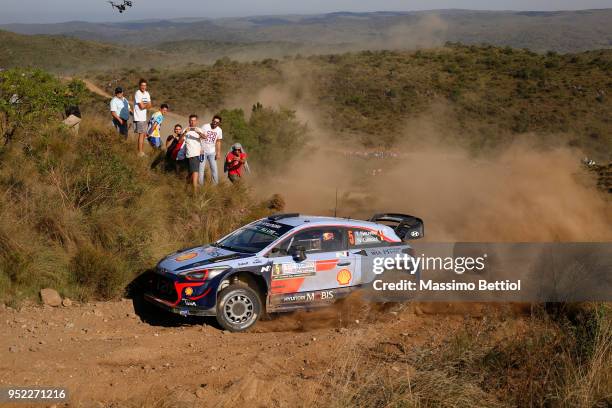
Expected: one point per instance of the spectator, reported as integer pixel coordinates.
(211, 146)
(172, 139)
(142, 102)
(154, 127)
(120, 111)
(193, 148)
(235, 162)
(175, 143)
(73, 118)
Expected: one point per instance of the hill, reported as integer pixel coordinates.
(481, 97)
(83, 214)
(68, 55)
(561, 31)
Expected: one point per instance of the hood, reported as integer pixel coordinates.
(199, 256)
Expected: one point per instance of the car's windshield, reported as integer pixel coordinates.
(253, 238)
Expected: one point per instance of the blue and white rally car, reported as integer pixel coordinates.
(280, 263)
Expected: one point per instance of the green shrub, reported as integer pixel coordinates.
(29, 98)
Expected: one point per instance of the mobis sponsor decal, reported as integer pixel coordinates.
(322, 295)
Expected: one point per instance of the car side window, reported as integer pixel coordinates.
(325, 239)
(281, 249)
(362, 238)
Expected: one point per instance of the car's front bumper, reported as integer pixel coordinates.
(185, 298)
(179, 309)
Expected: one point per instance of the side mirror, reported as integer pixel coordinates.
(298, 253)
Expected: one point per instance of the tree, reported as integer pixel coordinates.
(268, 136)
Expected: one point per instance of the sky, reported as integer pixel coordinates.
(51, 11)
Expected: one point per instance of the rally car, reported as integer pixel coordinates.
(281, 263)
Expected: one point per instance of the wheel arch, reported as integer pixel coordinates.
(254, 280)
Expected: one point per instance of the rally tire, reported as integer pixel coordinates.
(238, 307)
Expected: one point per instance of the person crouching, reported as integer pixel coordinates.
(235, 161)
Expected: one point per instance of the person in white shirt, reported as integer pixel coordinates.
(193, 148)
(211, 146)
(120, 111)
(142, 102)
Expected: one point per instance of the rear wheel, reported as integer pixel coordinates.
(238, 307)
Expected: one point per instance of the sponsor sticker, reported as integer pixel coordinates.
(186, 257)
(344, 277)
(317, 296)
(189, 291)
(293, 270)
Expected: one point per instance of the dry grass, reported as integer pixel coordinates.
(84, 215)
(542, 360)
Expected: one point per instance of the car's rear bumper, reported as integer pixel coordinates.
(179, 309)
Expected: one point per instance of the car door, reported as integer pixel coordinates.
(367, 245)
(328, 267)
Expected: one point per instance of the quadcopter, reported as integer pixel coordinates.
(121, 7)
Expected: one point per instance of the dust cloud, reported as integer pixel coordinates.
(521, 193)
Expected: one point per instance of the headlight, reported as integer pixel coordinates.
(196, 275)
(204, 274)
(216, 271)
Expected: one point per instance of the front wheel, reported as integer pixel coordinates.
(238, 307)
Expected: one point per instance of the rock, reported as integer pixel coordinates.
(13, 349)
(66, 302)
(50, 297)
(201, 393)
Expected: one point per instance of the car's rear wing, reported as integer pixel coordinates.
(406, 227)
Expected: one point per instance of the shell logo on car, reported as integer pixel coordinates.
(344, 277)
(188, 291)
(186, 257)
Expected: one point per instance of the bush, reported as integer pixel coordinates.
(84, 215)
(29, 98)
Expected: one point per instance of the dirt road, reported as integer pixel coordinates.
(107, 355)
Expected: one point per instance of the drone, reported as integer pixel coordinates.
(121, 7)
